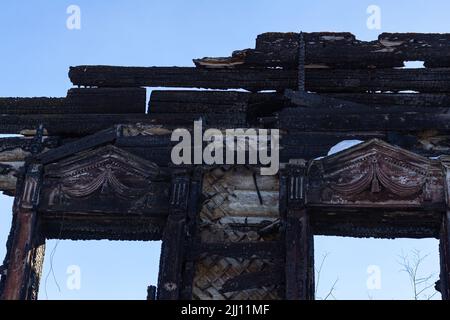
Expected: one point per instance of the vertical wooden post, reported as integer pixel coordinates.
(298, 235)
(444, 254)
(444, 243)
(25, 258)
(172, 251)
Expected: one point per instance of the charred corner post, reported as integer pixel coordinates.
(96, 164)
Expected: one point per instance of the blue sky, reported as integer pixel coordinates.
(37, 50)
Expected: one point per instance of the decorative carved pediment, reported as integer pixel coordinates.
(106, 179)
(375, 173)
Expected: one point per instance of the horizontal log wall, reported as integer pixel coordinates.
(232, 247)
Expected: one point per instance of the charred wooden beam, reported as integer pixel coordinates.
(105, 226)
(253, 280)
(423, 100)
(254, 79)
(38, 105)
(80, 100)
(339, 50)
(295, 119)
(266, 250)
(83, 124)
(184, 101)
(106, 100)
(96, 140)
(377, 223)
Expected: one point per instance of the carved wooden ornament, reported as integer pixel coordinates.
(106, 178)
(374, 174)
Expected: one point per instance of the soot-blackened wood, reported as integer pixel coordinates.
(299, 242)
(173, 247)
(41, 105)
(423, 100)
(84, 124)
(171, 263)
(106, 181)
(310, 145)
(444, 244)
(25, 259)
(295, 119)
(216, 100)
(312, 103)
(444, 254)
(80, 101)
(343, 50)
(192, 236)
(265, 250)
(151, 293)
(198, 101)
(94, 140)
(106, 100)
(299, 257)
(319, 80)
(264, 103)
(253, 280)
(374, 174)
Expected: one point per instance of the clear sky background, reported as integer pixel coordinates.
(37, 50)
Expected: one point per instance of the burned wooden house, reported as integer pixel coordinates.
(96, 164)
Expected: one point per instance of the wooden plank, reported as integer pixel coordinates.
(253, 280)
(264, 249)
(318, 80)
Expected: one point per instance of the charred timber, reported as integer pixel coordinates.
(254, 79)
(339, 50)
